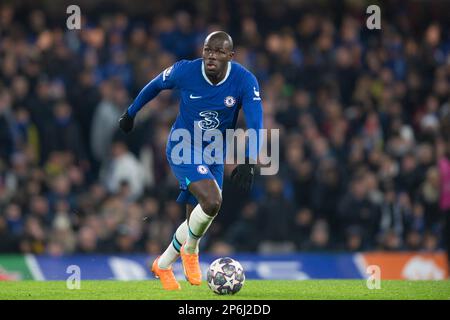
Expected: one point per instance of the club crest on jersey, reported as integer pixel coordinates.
(202, 169)
(229, 101)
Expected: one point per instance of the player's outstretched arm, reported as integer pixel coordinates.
(151, 90)
(165, 80)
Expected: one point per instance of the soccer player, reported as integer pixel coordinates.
(213, 89)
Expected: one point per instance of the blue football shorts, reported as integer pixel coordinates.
(188, 173)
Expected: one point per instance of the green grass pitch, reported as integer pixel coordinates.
(252, 290)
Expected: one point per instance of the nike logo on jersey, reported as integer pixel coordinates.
(194, 97)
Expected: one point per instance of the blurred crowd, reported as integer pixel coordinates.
(362, 118)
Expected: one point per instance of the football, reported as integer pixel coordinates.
(225, 276)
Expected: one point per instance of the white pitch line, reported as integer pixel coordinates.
(34, 267)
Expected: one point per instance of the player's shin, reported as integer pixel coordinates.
(199, 223)
(173, 250)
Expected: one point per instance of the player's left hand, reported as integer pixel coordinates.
(126, 122)
(242, 176)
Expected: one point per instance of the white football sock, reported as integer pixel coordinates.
(173, 250)
(199, 222)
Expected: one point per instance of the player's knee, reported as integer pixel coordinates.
(211, 206)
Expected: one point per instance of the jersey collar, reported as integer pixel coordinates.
(223, 80)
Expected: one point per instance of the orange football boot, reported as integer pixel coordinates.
(166, 276)
(191, 267)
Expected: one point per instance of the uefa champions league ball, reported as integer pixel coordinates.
(225, 276)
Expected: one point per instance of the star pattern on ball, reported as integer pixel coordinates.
(213, 287)
(216, 267)
(231, 280)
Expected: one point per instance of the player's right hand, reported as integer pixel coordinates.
(126, 122)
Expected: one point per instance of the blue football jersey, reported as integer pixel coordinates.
(203, 105)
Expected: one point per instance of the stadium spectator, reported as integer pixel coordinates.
(276, 228)
(319, 240)
(7, 146)
(8, 242)
(244, 235)
(304, 220)
(122, 172)
(444, 187)
(104, 122)
(62, 133)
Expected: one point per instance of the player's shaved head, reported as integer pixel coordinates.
(220, 38)
(217, 53)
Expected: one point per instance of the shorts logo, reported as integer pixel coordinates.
(202, 169)
(230, 101)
